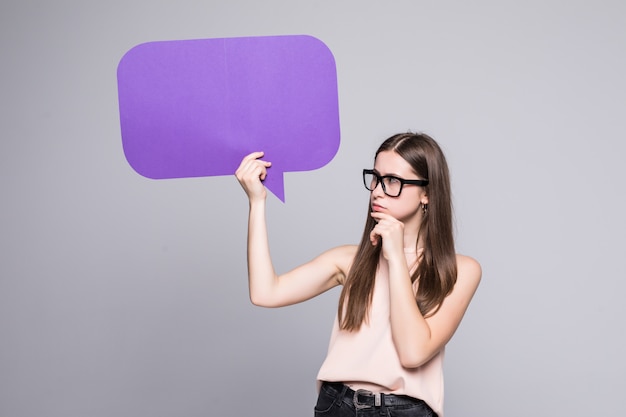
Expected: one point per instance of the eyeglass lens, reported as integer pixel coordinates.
(391, 186)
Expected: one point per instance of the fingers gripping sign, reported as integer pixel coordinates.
(250, 174)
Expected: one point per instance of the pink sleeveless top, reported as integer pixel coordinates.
(367, 359)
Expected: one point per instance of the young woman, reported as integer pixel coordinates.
(404, 293)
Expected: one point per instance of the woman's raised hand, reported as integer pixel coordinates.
(390, 231)
(250, 174)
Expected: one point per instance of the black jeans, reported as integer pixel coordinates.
(338, 400)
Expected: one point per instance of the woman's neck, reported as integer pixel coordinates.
(411, 240)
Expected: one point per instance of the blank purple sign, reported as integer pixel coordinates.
(195, 108)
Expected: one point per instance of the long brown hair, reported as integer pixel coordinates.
(436, 270)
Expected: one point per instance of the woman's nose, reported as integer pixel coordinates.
(378, 190)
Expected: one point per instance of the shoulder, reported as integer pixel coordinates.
(468, 270)
(342, 257)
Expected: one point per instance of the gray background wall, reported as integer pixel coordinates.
(124, 296)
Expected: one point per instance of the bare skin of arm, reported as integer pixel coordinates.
(267, 288)
(418, 339)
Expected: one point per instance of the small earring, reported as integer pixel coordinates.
(424, 208)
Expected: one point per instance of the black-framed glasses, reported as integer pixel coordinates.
(392, 185)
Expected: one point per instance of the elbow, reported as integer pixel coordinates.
(415, 359)
(411, 363)
(257, 301)
(261, 301)
(258, 297)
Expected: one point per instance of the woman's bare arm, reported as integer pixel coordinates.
(306, 281)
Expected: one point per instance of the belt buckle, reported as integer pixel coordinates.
(359, 406)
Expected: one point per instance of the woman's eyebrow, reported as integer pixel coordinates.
(387, 175)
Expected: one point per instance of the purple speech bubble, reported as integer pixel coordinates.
(195, 108)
